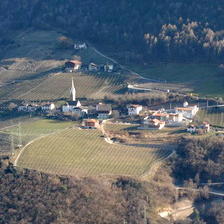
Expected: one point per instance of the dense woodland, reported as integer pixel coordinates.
(28, 196)
(200, 159)
(146, 31)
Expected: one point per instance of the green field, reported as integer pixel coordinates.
(84, 152)
(119, 127)
(204, 79)
(32, 130)
(212, 115)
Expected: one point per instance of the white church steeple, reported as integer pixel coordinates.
(73, 91)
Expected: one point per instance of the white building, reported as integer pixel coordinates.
(103, 111)
(74, 106)
(188, 111)
(48, 107)
(191, 128)
(134, 109)
(70, 106)
(27, 108)
(149, 123)
(80, 46)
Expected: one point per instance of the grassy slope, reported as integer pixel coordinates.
(35, 65)
(204, 78)
(35, 129)
(211, 115)
(84, 152)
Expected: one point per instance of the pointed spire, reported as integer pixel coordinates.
(73, 91)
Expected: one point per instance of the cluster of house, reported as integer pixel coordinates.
(29, 108)
(74, 107)
(76, 65)
(202, 128)
(157, 119)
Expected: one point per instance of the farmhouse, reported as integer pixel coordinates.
(162, 116)
(186, 110)
(91, 124)
(27, 108)
(176, 117)
(72, 66)
(103, 111)
(48, 107)
(108, 68)
(80, 46)
(149, 123)
(204, 126)
(93, 67)
(134, 109)
(191, 128)
(69, 106)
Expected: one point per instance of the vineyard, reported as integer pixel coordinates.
(23, 130)
(214, 116)
(35, 70)
(116, 127)
(84, 152)
(57, 86)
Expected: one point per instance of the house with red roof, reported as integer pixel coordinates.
(152, 123)
(72, 65)
(134, 109)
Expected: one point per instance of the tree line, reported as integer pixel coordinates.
(29, 196)
(148, 31)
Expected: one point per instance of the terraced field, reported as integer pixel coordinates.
(212, 115)
(58, 85)
(33, 70)
(84, 152)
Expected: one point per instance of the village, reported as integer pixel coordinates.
(92, 114)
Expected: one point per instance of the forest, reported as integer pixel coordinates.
(145, 31)
(200, 159)
(29, 196)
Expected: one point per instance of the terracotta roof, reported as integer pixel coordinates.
(160, 114)
(135, 106)
(175, 115)
(91, 120)
(184, 108)
(76, 62)
(158, 121)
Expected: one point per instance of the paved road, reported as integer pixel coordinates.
(212, 192)
(126, 69)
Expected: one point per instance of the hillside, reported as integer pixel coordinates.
(35, 197)
(142, 31)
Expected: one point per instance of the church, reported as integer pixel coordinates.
(74, 106)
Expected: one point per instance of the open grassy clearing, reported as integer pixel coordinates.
(204, 79)
(84, 152)
(32, 130)
(212, 115)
